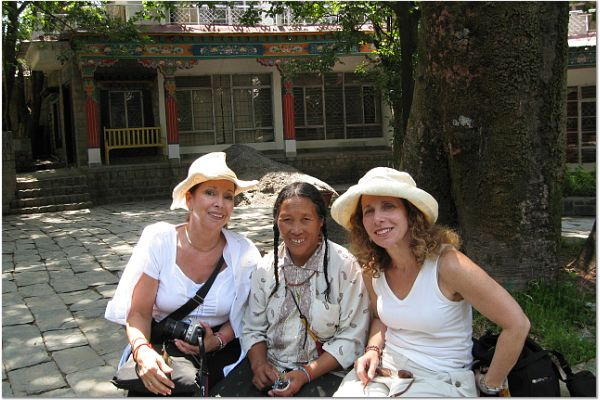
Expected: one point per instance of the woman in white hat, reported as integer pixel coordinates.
(170, 263)
(308, 310)
(421, 289)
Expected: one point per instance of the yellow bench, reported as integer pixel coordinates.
(126, 138)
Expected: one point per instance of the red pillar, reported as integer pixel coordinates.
(171, 111)
(289, 123)
(92, 114)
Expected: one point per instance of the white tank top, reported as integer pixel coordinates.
(426, 326)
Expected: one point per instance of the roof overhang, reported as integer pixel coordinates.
(45, 55)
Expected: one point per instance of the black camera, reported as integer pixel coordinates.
(189, 333)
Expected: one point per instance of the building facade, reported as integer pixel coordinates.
(203, 83)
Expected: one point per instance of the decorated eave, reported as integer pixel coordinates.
(174, 46)
(582, 50)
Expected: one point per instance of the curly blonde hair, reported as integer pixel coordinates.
(425, 240)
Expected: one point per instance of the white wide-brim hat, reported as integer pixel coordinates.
(382, 181)
(210, 167)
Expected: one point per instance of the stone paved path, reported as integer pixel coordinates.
(58, 272)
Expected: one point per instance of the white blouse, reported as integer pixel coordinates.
(155, 254)
(175, 289)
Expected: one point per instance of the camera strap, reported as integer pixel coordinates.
(190, 305)
(198, 298)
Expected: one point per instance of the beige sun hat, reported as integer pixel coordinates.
(382, 181)
(209, 167)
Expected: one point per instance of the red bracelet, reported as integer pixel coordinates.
(138, 347)
(374, 347)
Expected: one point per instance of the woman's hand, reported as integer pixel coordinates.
(297, 379)
(264, 375)
(211, 343)
(366, 365)
(153, 371)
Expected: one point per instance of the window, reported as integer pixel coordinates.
(581, 124)
(126, 109)
(224, 109)
(336, 106)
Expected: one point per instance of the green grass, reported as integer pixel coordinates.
(579, 182)
(561, 312)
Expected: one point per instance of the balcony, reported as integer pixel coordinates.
(232, 15)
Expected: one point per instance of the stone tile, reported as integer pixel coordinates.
(50, 320)
(74, 297)
(107, 291)
(11, 298)
(41, 289)
(16, 314)
(6, 390)
(97, 324)
(28, 267)
(94, 382)
(44, 303)
(96, 312)
(15, 339)
(113, 358)
(97, 278)
(85, 266)
(68, 285)
(65, 392)
(37, 379)
(77, 359)
(8, 286)
(104, 343)
(8, 266)
(64, 339)
(31, 278)
(87, 304)
(30, 258)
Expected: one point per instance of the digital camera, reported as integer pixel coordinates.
(189, 333)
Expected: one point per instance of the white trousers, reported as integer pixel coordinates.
(426, 383)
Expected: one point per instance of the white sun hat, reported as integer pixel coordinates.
(209, 167)
(382, 181)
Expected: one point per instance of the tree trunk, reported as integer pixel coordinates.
(9, 59)
(407, 18)
(486, 133)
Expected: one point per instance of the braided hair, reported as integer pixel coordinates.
(300, 189)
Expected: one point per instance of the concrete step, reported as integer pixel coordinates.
(52, 208)
(50, 200)
(52, 191)
(24, 183)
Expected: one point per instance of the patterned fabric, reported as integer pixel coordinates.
(340, 323)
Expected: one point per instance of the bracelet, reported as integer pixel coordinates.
(221, 343)
(303, 369)
(374, 347)
(138, 347)
(484, 388)
(136, 339)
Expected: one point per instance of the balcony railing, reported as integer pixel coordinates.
(223, 15)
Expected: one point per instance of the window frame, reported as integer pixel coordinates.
(579, 101)
(110, 92)
(232, 118)
(361, 86)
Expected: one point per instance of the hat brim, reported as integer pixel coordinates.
(184, 186)
(344, 206)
